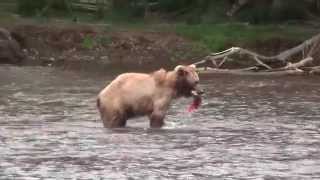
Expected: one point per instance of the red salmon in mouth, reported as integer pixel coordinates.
(197, 99)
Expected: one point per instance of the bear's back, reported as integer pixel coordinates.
(129, 87)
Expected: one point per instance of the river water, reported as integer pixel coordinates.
(247, 128)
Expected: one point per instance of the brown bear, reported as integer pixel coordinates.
(139, 94)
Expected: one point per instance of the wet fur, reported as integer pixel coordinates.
(137, 94)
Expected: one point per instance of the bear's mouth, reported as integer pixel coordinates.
(186, 90)
(196, 92)
(197, 98)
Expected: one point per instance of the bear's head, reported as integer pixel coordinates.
(187, 81)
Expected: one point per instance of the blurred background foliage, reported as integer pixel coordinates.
(189, 11)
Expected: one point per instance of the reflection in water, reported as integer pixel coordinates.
(248, 127)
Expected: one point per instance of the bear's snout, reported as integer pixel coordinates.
(200, 91)
(197, 91)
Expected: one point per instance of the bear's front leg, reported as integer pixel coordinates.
(157, 119)
(160, 108)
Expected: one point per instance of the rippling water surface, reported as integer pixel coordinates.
(248, 127)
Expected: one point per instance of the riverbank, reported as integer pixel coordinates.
(66, 44)
(79, 39)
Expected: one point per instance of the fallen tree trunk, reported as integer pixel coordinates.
(266, 64)
(250, 71)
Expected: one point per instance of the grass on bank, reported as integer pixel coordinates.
(216, 36)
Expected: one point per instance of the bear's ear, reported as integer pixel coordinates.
(193, 66)
(180, 70)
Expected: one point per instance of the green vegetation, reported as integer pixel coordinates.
(91, 41)
(204, 21)
(88, 42)
(190, 11)
(216, 36)
(42, 7)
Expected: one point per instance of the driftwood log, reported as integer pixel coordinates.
(301, 59)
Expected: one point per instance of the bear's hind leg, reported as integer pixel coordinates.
(157, 119)
(112, 118)
(115, 120)
(119, 122)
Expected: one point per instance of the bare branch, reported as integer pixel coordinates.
(261, 63)
(307, 48)
(222, 62)
(299, 64)
(283, 56)
(290, 52)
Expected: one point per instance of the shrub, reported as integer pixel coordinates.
(283, 10)
(34, 7)
(30, 7)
